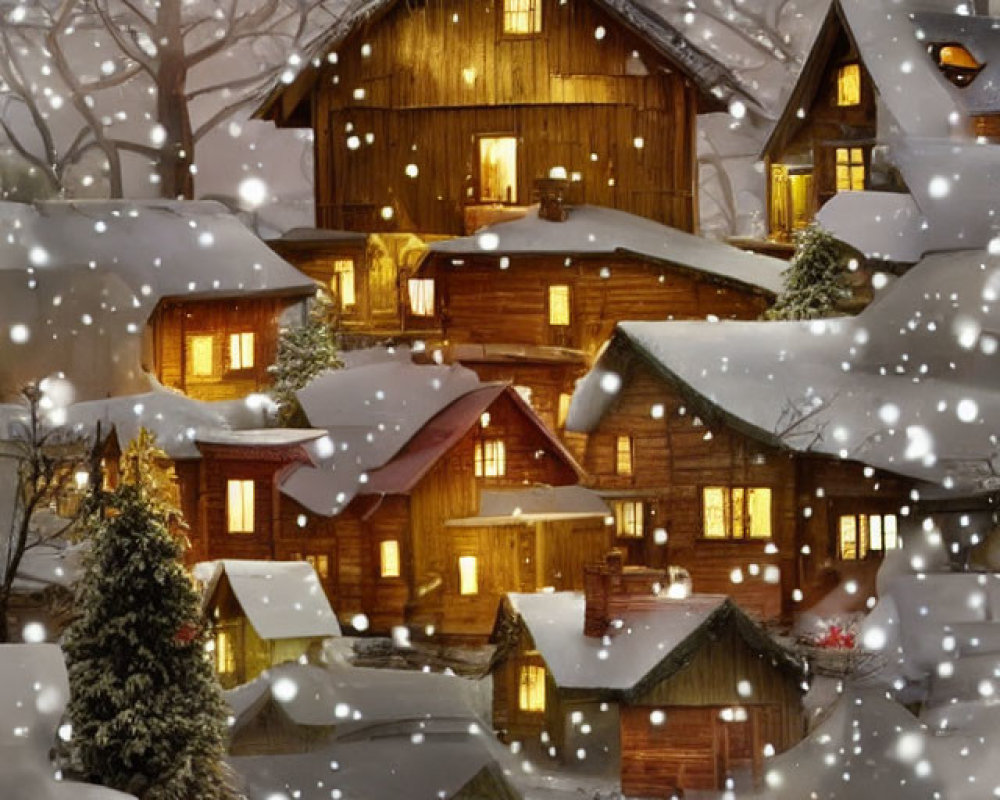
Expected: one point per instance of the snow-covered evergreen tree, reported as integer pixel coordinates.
(147, 713)
(816, 278)
(304, 352)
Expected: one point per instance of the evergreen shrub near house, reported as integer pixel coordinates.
(304, 351)
(815, 280)
(147, 713)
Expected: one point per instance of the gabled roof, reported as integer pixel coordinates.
(596, 230)
(716, 83)
(654, 642)
(281, 599)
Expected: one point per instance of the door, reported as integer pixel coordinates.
(792, 205)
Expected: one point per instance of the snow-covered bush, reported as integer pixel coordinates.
(816, 278)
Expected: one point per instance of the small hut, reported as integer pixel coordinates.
(669, 693)
(264, 613)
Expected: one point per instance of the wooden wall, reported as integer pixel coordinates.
(440, 73)
(545, 380)
(174, 321)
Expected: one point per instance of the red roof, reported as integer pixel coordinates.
(441, 433)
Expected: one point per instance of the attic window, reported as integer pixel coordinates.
(623, 455)
(956, 63)
(491, 458)
(240, 506)
(859, 535)
(498, 169)
(522, 17)
(241, 350)
(343, 282)
(849, 85)
(200, 352)
(421, 291)
(531, 689)
(736, 512)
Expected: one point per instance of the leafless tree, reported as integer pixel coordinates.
(98, 81)
(44, 461)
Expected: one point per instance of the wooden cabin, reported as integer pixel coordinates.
(263, 613)
(692, 486)
(532, 301)
(478, 500)
(668, 694)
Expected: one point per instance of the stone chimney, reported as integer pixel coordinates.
(610, 589)
(551, 191)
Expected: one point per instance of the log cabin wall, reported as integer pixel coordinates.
(419, 84)
(543, 385)
(193, 351)
(676, 454)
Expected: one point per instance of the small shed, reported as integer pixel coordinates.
(668, 693)
(264, 613)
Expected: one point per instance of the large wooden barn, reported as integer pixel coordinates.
(421, 497)
(666, 693)
(692, 486)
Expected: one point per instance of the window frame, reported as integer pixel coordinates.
(730, 517)
(389, 547)
(550, 306)
(863, 532)
(842, 70)
(242, 485)
(480, 198)
(851, 163)
(622, 520)
(190, 360)
(536, 11)
(623, 455)
(416, 289)
(468, 588)
(238, 345)
(481, 458)
(339, 268)
(531, 682)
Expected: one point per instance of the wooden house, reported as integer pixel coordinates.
(263, 613)
(433, 119)
(692, 485)
(532, 301)
(666, 693)
(827, 139)
(421, 497)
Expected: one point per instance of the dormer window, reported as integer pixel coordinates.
(849, 85)
(956, 63)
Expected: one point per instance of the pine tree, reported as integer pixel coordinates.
(816, 279)
(147, 713)
(303, 353)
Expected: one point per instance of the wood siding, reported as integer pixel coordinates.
(440, 74)
(175, 322)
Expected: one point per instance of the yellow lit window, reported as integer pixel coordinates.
(859, 535)
(225, 654)
(321, 563)
(564, 403)
(343, 282)
(241, 350)
(630, 518)
(531, 689)
(559, 305)
(490, 458)
(201, 356)
(849, 85)
(239, 506)
(468, 575)
(389, 558)
(522, 17)
(498, 169)
(421, 291)
(850, 169)
(623, 455)
(954, 55)
(736, 512)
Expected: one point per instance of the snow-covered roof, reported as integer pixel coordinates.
(908, 386)
(623, 658)
(259, 437)
(79, 280)
(595, 230)
(281, 599)
(535, 504)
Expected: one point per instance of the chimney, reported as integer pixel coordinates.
(610, 589)
(550, 193)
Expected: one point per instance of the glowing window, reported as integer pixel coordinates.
(201, 356)
(736, 512)
(954, 55)
(421, 291)
(623, 455)
(498, 169)
(239, 506)
(389, 558)
(630, 518)
(522, 16)
(850, 169)
(531, 689)
(564, 403)
(225, 653)
(321, 563)
(468, 575)
(490, 459)
(849, 85)
(559, 305)
(859, 535)
(241, 350)
(343, 282)
(525, 393)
